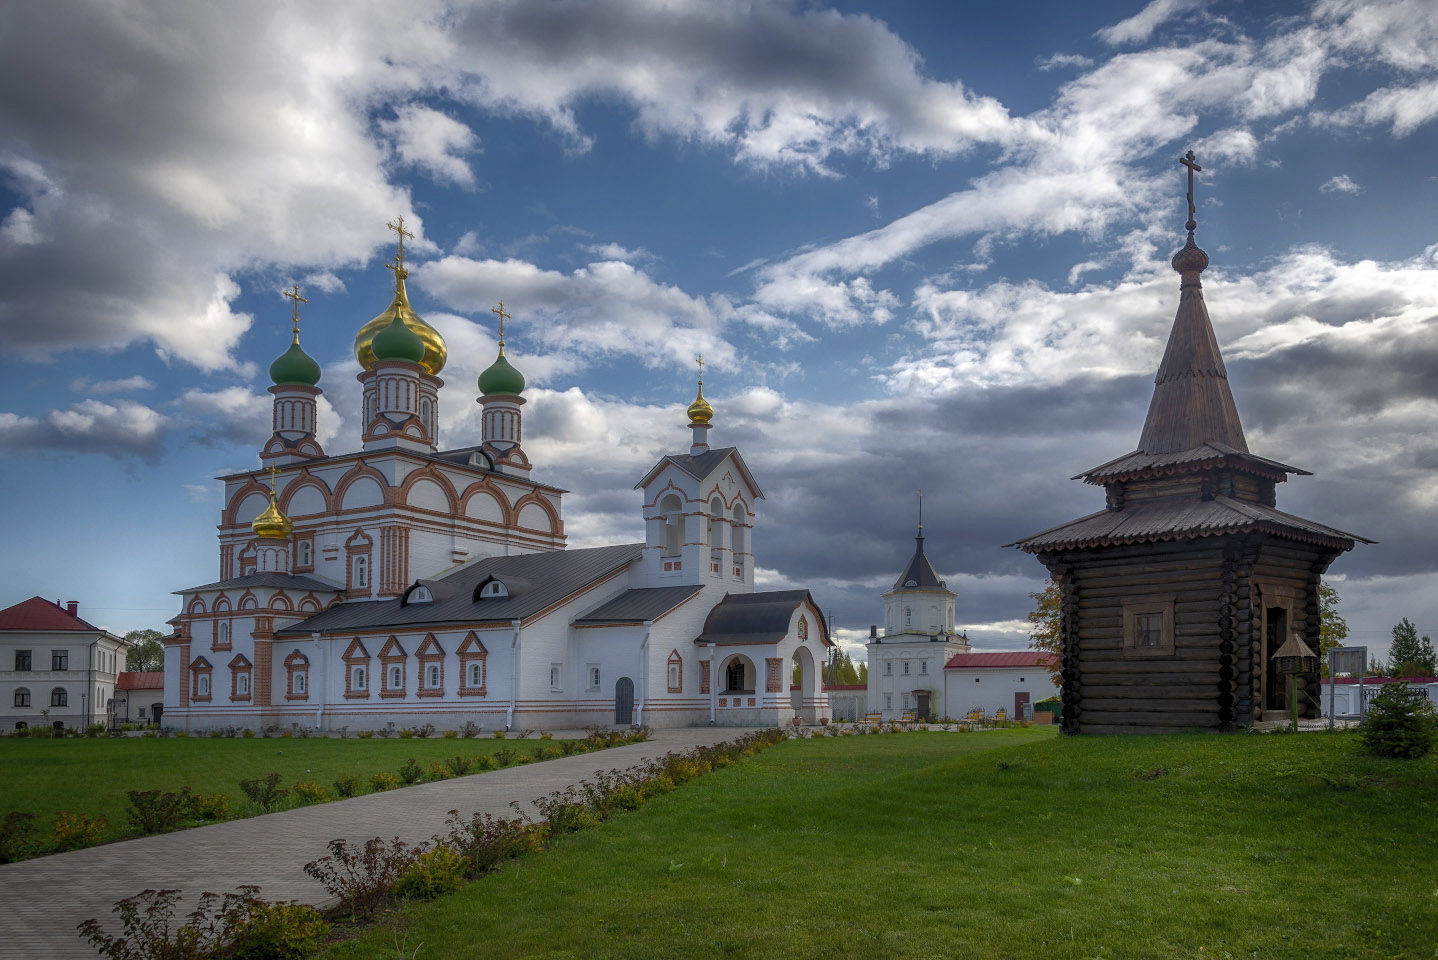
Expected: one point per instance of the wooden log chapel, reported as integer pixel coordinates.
(1190, 599)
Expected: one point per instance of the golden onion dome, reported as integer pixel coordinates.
(435, 352)
(272, 525)
(699, 410)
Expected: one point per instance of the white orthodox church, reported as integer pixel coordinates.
(403, 583)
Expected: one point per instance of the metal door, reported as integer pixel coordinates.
(623, 702)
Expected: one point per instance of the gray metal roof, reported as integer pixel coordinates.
(919, 574)
(537, 581)
(701, 466)
(752, 617)
(1181, 519)
(637, 606)
(287, 581)
(1139, 463)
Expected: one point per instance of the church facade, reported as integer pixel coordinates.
(403, 584)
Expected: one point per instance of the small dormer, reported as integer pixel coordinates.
(426, 591)
(495, 587)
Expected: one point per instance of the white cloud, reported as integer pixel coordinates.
(85, 385)
(1058, 61)
(1342, 183)
(1406, 108)
(434, 142)
(121, 430)
(615, 251)
(1140, 26)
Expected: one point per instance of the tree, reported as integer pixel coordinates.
(841, 670)
(1410, 656)
(1399, 721)
(1047, 618)
(148, 654)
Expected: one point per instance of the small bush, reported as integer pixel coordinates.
(75, 830)
(362, 877)
(210, 806)
(485, 841)
(365, 734)
(469, 729)
(248, 734)
(505, 756)
(424, 730)
(348, 785)
(499, 734)
(384, 780)
(95, 730)
(153, 811)
(1399, 723)
(451, 734)
(265, 791)
(17, 836)
(276, 931)
(439, 770)
(410, 772)
(545, 735)
(459, 766)
(431, 874)
(406, 734)
(311, 791)
(485, 761)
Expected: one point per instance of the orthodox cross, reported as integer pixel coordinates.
(921, 513)
(398, 227)
(273, 470)
(700, 361)
(499, 311)
(1187, 161)
(294, 294)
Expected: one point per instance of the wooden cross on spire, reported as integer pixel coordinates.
(499, 312)
(1188, 161)
(294, 294)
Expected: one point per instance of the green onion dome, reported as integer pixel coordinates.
(295, 367)
(398, 342)
(501, 378)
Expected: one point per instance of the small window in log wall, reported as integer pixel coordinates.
(1148, 629)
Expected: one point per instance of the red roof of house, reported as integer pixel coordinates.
(135, 680)
(37, 613)
(1017, 658)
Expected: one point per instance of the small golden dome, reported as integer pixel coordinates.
(272, 525)
(699, 410)
(435, 352)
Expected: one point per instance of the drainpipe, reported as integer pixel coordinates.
(323, 666)
(713, 682)
(643, 674)
(513, 676)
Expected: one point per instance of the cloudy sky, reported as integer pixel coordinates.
(919, 245)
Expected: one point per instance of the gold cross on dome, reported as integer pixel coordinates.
(499, 311)
(273, 471)
(397, 225)
(700, 360)
(294, 294)
(1188, 161)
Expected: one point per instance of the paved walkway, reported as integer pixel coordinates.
(43, 900)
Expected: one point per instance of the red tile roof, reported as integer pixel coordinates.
(134, 680)
(1018, 658)
(37, 613)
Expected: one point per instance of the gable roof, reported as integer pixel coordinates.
(39, 614)
(140, 680)
(547, 579)
(703, 465)
(637, 606)
(1014, 658)
(755, 617)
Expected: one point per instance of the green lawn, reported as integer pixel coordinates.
(91, 776)
(1009, 844)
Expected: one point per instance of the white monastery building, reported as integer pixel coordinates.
(403, 583)
(56, 669)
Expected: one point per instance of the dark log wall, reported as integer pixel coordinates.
(1213, 679)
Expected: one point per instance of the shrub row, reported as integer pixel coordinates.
(155, 811)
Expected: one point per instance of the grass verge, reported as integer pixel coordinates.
(1006, 844)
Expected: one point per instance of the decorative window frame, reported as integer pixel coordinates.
(356, 655)
(223, 635)
(304, 557)
(241, 669)
(297, 674)
(803, 629)
(357, 546)
(1135, 613)
(201, 670)
(431, 657)
(594, 677)
(392, 656)
(676, 671)
(470, 653)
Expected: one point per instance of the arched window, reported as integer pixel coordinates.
(361, 572)
(673, 524)
(494, 588)
(299, 682)
(908, 616)
(22, 696)
(202, 685)
(396, 677)
(716, 522)
(242, 683)
(734, 677)
(223, 637)
(304, 553)
(420, 595)
(739, 537)
(59, 698)
(432, 676)
(476, 674)
(554, 676)
(358, 679)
